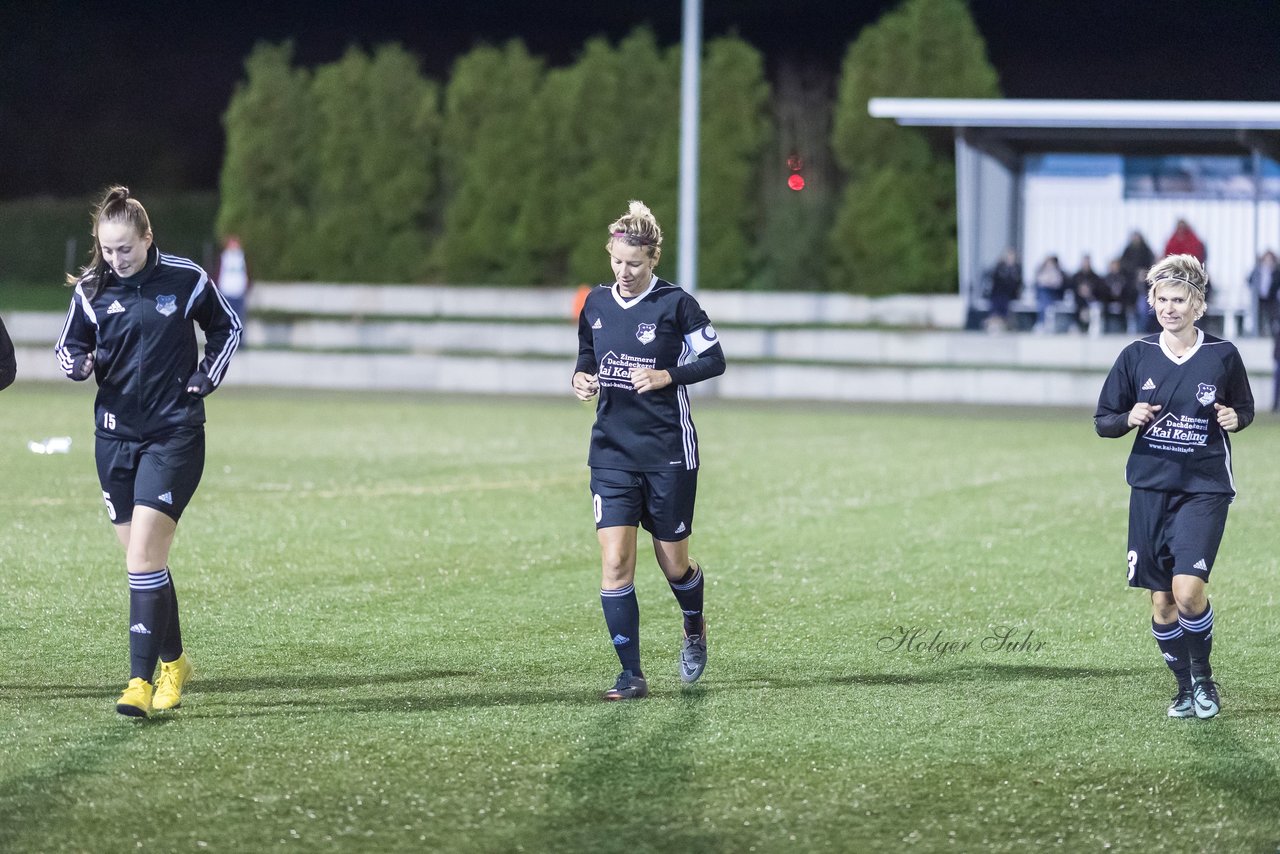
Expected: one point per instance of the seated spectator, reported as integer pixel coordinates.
(1090, 296)
(1051, 283)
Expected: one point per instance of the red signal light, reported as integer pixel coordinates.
(795, 163)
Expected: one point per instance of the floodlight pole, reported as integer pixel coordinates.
(690, 69)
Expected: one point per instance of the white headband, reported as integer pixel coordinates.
(1164, 280)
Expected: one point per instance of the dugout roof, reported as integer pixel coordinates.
(1129, 127)
(993, 137)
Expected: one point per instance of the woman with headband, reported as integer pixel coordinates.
(1184, 391)
(641, 342)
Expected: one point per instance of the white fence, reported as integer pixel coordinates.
(779, 346)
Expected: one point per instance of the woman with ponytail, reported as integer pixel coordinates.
(132, 326)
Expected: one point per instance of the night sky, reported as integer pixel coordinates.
(92, 92)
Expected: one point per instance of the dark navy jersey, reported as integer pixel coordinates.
(142, 331)
(1182, 449)
(8, 363)
(662, 329)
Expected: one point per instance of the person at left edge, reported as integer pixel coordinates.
(8, 362)
(641, 342)
(131, 325)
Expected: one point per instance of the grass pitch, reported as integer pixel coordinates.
(920, 637)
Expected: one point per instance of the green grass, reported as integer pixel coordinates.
(392, 607)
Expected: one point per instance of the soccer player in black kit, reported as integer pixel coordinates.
(1185, 391)
(641, 341)
(8, 363)
(131, 326)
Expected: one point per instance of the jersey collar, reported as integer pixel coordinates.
(627, 302)
(1195, 348)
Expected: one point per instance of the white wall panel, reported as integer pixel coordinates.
(1071, 216)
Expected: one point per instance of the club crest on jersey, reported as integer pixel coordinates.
(1205, 393)
(167, 305)
(646, 332)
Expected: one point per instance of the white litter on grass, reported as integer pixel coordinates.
(52, 445)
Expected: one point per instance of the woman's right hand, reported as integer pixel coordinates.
(585, 385)
(83, 367)
(1143, 413)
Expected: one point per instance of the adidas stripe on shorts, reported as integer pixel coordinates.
(661, 501)
(1174, 533)
(161, 473)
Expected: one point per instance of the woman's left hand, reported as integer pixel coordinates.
(647, 379)
(1227, 418)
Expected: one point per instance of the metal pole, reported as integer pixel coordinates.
(965, 227)
(1253, 310)
(690, 68)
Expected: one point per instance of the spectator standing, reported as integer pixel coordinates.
(1184, 241)
(1264, 284)
(1006, 286)
(1135, 260)
(1120, 295)
(233, 276)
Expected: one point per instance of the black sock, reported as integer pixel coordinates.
(1198, 630)
(148, 621)
(171, 643)
(1173, 646)
(688, 591)
(622, 616)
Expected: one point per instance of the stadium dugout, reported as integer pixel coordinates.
(1072, 178)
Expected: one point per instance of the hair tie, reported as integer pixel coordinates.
(633, 239)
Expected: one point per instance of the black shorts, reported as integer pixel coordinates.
(661, 501)
(160, 473)
(1174, 533)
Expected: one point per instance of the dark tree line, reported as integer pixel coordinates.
(365, 170)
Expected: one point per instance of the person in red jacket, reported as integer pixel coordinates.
(1184, 241)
